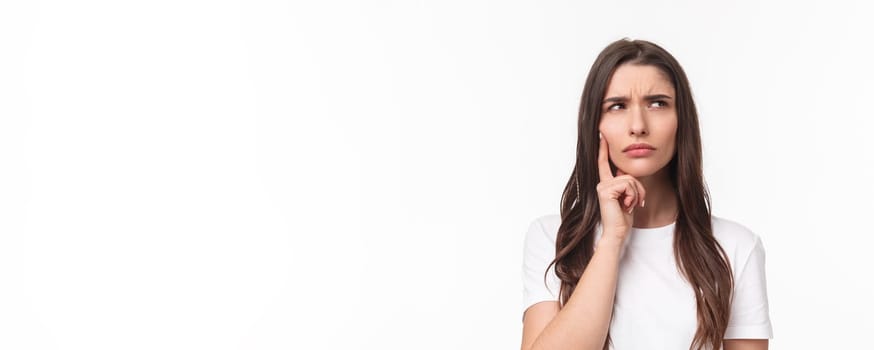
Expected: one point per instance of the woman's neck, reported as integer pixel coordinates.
(661, 201)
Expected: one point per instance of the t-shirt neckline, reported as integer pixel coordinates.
(659, 228)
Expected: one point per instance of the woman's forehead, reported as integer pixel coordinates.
(638, 80)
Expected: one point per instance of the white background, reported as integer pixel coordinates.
(359, 175)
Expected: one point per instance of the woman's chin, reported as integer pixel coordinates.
(638, 171)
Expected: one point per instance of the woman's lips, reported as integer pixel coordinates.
(640, 152)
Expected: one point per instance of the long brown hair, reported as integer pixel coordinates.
(699, 257)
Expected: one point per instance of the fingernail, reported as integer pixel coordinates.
(599, 136)
(630, 211)
(643, 203)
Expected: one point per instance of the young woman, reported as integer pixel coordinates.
(635, 260)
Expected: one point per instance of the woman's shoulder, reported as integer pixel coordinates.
(546, 225)
(734, 236)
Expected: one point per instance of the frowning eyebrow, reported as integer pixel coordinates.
(647, 97)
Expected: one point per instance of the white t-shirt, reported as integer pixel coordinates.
(655, 307)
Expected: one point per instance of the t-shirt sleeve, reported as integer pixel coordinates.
(538, 252)
(749, 317)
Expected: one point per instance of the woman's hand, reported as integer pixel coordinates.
(618, 195)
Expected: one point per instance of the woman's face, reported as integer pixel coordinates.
(639, 107)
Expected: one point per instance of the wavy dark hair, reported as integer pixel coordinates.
(699, 257)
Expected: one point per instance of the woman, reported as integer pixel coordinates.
(635, 260)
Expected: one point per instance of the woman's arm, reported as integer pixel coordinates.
(585, 318)
(745, 344)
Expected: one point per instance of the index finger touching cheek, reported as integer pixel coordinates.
(603, 161)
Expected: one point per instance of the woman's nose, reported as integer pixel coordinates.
(638, 121)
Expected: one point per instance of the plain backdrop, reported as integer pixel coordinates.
(360, 174)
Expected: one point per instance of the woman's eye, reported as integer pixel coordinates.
(614, 105)
(663, 103)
